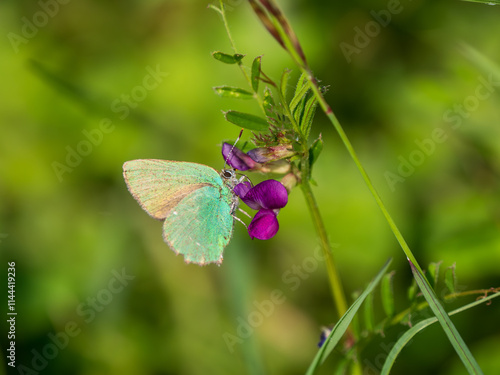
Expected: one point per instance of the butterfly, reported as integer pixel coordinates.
(195, 202)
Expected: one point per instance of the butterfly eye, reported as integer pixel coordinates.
(228, 174)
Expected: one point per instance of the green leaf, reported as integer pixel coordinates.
(412, 291)
(301, 82)
(284, 82)
(343, 323)
(299, 111)
(315, 151)
(227, 59)
(246, 120)
(299, 95)
(369, 313)
(408, 335)
(387, 293)
(303, 105)
(268, 101)
(433, 270)
(450, 278)
(454, 337)
(355, 323)
(256, 73)
(308, 115)
(486, 2)
(232, 92)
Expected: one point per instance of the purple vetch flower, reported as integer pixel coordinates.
(237, 158)
(267, 154)
(263, 159)
(268, 198)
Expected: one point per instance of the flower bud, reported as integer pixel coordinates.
(267, 154)
(278, 166)
(289, 181)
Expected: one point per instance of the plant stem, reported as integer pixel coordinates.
(333, 276)
(222, 12)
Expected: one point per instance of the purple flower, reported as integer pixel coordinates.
(254, 159)
(267, 197)
(325, 332)
(237, 158)
(267, 154)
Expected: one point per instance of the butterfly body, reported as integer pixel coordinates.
(195, 201)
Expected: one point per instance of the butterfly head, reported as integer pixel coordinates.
(229, 177)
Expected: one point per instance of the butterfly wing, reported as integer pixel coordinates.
(201, 225)
(192, 198)
(159, 185)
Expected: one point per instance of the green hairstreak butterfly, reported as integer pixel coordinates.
(195, 201)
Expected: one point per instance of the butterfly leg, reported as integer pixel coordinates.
(246, 213)
(237, 218)
(243, 178)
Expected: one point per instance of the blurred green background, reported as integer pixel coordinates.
(93, 275)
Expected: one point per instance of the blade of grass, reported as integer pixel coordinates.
(408, 335)
(343, 323)
(437, 308)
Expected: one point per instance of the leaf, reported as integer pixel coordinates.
(308, 116)
(408, 335)
(450, 278)
(315, 151)
(300, 93)
(343, 323)
(412, 291)
(232, 92)
(227, 59)
(284, 82)
(246, 120)
(388, 294)
(268, 101)
(256, 65)
(299, 111)
(369, 313)
(486, 2)
(303, 105)
(433, 273)
(454, 337)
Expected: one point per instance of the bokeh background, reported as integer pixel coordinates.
(71, 226)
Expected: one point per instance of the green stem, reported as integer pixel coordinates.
(333, 276)
(222, 12)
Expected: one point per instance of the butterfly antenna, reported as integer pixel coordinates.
(232, 148)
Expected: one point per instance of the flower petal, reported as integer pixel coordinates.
(242, 189)
(237, 158)
(266, 154)
(269, 194)
(264, 225)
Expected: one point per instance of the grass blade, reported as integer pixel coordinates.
(408, 335)
(343, 323)
(456, 340)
